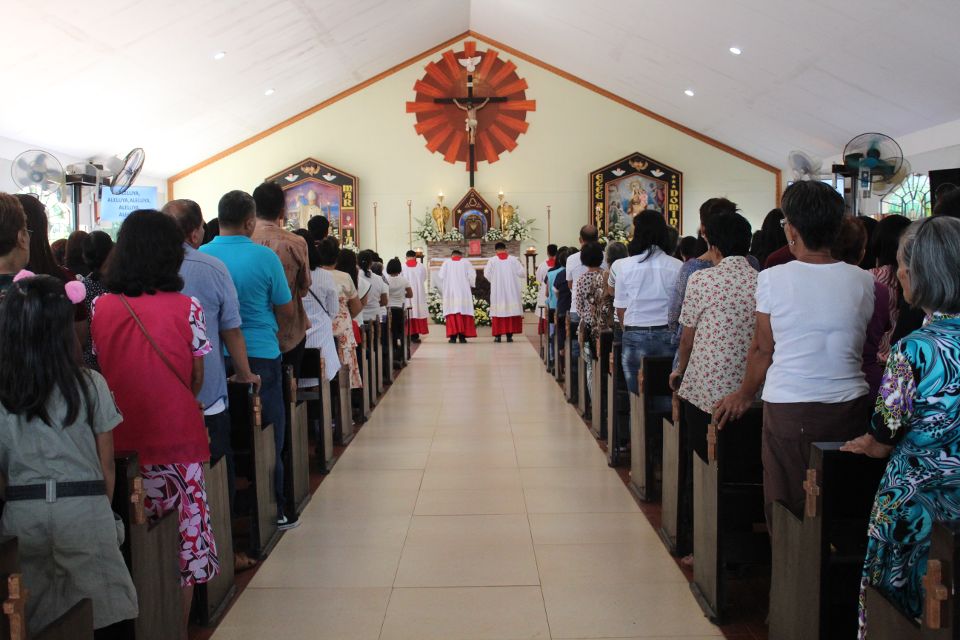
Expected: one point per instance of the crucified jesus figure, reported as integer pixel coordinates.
(471, 123)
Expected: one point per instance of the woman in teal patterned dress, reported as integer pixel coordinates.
(917, 421)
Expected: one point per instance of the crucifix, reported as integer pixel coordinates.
(471, 104)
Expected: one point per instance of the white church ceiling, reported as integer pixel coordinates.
(97, 78)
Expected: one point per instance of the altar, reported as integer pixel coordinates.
(437, 252)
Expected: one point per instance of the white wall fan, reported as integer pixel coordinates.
(874, 162)
(116, 173)
(38, 172)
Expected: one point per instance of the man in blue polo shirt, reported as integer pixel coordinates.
(264, 298)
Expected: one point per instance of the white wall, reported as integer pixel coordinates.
(572, 132)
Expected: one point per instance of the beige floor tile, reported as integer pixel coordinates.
(593, 528)
(454, 479)
(623, 611)
(509, 529)
(329, 567)
(376, 460)
(471, 460)
(372, 479)
(568, 564)
(582, 500)
(583, 455)
(334, 503)
(483, 613)
(306, 614)
(469, 502)
(454, 564)
(386, 430)
(348, 529)
(547, 478)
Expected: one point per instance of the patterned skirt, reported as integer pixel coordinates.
(181, 487)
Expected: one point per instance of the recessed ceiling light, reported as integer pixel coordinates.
(219, 55)
(735, 51)
(269, 92)
(689, 92)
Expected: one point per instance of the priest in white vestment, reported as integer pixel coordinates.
(506, 276)
(416, 274)
(455, 280)
(541, 277)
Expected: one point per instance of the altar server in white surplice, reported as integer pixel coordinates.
(506, 276)
(416, 274)
(455, 279)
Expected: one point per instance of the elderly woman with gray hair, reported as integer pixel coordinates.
(917, 420)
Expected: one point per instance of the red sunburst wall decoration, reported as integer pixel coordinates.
(444, 97)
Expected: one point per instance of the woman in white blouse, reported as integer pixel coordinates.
(321, 304)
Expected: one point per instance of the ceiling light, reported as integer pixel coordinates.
(735, 51)
(269, 92)
(219, 55)
(689, 92)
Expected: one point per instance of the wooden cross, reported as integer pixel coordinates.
(257, 411)
(471, 104)
(711, 441)
(14, 607)
(936, 595)
(812, 489)
(137, 499)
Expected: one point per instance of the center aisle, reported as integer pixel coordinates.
(474, 505)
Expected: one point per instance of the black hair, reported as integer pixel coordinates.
(313, 255)
(814, 209)
(769, 238)
(147, 256)
(591, 254)
(41, 257)
(850, 241)
(686, 248)
(377, 268)
(551, 250)
(649, 232)
(589, 233)
(411, 254)
(319, 227)
(96, 248)
(394, 267)
(211, 230)
(12, 221)
(40, 353)
(456, 252)
(235, 208)
(562, 254)
(270, 201)
(347, 263)
(673, 238)
(948, 204)
(886, 240)
(729, 233)
(365, 261)
(716, 206)
(499, 246)
(327, 251)
(869, 259)
(73, 258)
(187, 213)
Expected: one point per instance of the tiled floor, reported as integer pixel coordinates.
(475, 506)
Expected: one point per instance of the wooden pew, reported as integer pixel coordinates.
(363, 358)
(618, 409)
(151, 551)
(407, 349)
(598, 399)
(570, 364)
(372, 346)
(74, 624)
(941, 610)
(296, 445)
(255, 458)
(342, 404)
(583, 399)
(319, 406)
(817, 555)
(388, 355)
(675, 528)
(558, 359)
(210, 600)
(728, 523)
(379, 358)
(648, 407)
(543, 338)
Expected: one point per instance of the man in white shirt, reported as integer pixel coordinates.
(456, 279)
(505, 274)
(416, 275)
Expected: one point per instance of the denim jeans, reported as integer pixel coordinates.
(271, 403)
(637, 345)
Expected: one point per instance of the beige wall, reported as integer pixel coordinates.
(572, 132)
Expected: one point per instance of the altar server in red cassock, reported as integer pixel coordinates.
(506, 276)
(455, 279)
(416, 274)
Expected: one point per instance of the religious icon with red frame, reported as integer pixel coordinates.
(626, 187)
(471, 106)
(313, 188)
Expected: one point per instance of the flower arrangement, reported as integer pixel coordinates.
(616, 230)
(530, 294)
(426, 230)
(481, 309)
(519, 229)
(493, 235)
(453, 235)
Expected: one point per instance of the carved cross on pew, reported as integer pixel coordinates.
(471, 104)
(14, 608)
(937, 594)
(812, 490)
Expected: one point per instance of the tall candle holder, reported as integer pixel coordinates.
(548, 224)
(376, 230)
(410, 223)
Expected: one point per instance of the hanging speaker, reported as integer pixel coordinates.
(941, 182)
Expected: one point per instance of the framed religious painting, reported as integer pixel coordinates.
(630, 185)
(313, 188)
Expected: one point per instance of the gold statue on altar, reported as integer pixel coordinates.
(440, 215)
(506, 212)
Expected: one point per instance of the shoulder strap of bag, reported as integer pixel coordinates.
(322, 306)
(153, 344)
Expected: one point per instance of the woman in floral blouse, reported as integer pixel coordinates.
(917, 421)
(590, 289)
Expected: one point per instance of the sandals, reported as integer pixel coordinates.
(243, 562)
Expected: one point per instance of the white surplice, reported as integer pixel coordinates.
(417, 276)
(506, 279)
(455, 279)
(541, 277)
